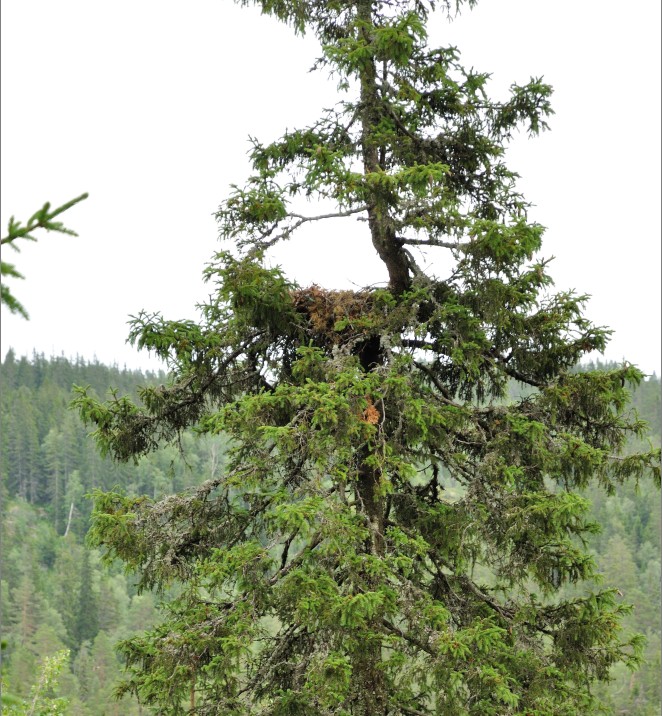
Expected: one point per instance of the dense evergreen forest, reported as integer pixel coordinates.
(56, 595)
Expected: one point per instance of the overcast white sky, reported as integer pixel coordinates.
(148, 105)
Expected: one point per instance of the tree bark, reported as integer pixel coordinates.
(369, 688)
(381, 225)
(370, 693)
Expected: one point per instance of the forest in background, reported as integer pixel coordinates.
(56, 595)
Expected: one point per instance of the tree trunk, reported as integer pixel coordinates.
(370, 697)
(381, 225)
(71, 512)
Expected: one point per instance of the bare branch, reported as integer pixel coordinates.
(408, 637)
(296, 561)
(287, 232)
(441, 388)
(435, 242)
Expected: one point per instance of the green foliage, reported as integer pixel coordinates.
(53, 588)
(626, 553)
(45, 457)
(42, 617)
(41, 700)
(325, 572)
(41, 219)
(391, 534)
(87, 622)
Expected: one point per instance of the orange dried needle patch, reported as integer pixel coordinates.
(370, 414)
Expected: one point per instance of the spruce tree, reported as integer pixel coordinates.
(391, 530)
(87, 613)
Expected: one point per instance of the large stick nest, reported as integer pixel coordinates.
(334, 316)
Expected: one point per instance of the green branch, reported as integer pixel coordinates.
(42, 219)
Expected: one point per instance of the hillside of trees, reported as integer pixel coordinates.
(57, 595)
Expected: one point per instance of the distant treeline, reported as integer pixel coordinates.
(48, 459)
